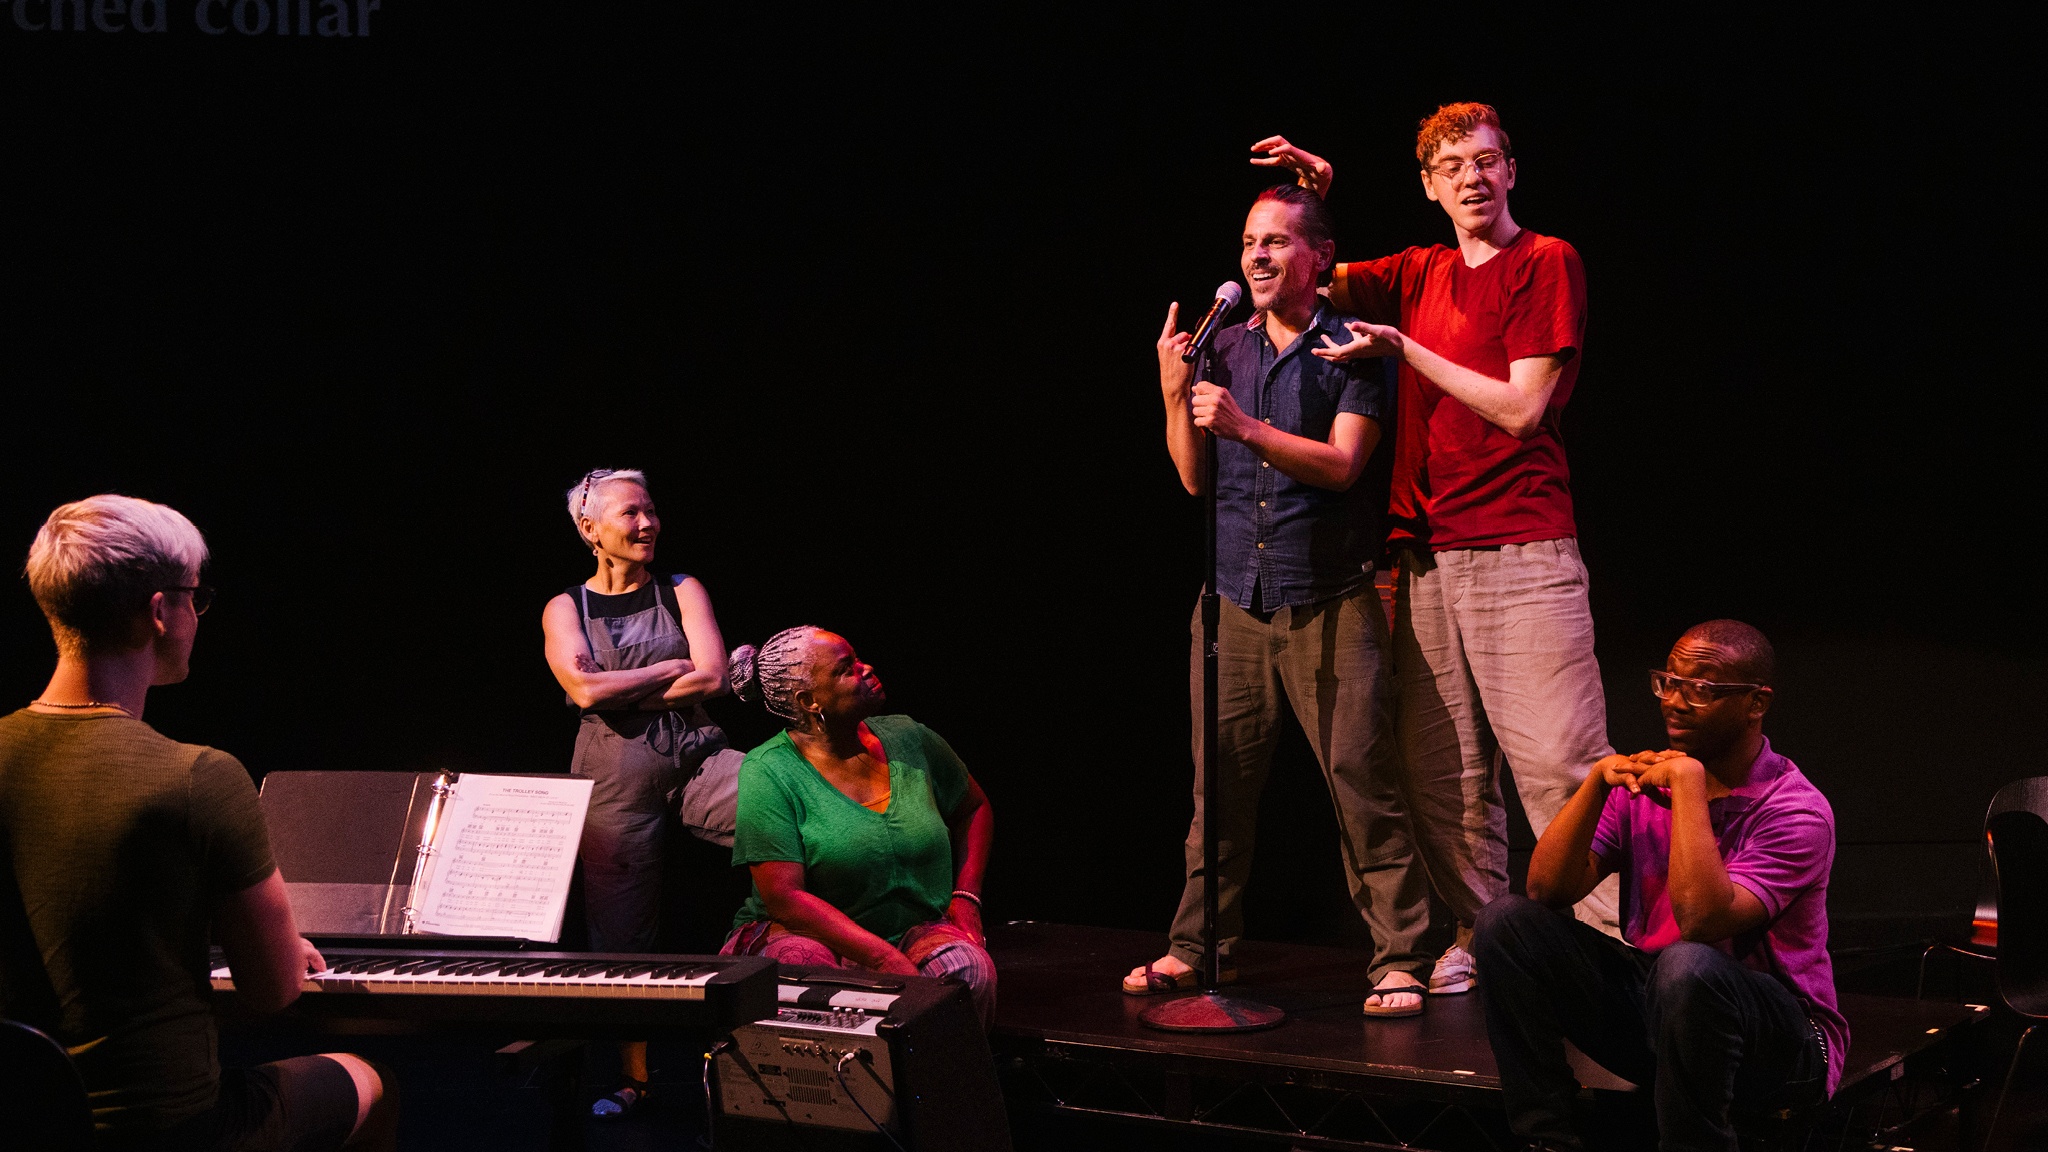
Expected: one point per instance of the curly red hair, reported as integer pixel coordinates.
(1452, 123)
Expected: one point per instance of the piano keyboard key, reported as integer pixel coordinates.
(455, 974)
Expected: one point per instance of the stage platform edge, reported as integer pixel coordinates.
(1330, 1077)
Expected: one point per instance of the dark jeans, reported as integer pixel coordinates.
(1708, 1033)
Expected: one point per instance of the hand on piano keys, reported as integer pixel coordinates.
(310, 959)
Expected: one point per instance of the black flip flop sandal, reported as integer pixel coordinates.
(1159, 983)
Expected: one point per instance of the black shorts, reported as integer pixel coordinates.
(305, 1104)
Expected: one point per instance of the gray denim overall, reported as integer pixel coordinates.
(638, 762)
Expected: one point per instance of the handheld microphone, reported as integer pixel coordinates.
(1227, 296)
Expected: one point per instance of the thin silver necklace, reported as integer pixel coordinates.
(87, 704)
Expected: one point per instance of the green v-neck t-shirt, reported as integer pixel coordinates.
(888, 871)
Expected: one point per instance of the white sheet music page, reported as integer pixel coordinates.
(503, 856)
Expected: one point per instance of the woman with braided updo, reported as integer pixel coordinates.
(865, 835)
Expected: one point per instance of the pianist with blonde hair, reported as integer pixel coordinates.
(121, 850)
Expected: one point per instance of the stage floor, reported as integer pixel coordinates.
(1060, 987)
(1060, 999)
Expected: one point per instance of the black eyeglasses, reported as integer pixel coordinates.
(1698, 693)
(202, 596)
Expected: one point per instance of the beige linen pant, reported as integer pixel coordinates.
(1328, 663)
(1493, 653)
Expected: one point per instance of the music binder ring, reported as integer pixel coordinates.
(443, 786)
(496, 854)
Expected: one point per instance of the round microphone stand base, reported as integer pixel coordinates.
(1211, 1012)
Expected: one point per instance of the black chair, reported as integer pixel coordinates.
(1973, 949)
(42, 1100)
(2017, 828)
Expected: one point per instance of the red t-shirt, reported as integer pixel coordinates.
(1459, 481)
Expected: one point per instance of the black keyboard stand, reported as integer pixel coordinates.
(559, 1065)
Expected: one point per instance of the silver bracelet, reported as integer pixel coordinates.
(970, 897)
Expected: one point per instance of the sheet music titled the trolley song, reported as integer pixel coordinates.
(504, 853)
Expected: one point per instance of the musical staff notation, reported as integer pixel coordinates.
(505, 850)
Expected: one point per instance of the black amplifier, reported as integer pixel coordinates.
(883, 1060)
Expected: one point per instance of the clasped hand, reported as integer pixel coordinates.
(1646, 770)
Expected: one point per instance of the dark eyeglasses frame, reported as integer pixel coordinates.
(1687, 687)
(202, 596)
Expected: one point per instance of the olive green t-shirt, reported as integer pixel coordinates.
(888, 871)
(114, 841)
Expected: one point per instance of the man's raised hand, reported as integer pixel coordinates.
(1174, 372)
(1310, 171)
(1367, 340)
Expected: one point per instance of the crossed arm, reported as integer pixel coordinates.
(664, 685)
(1707, 905)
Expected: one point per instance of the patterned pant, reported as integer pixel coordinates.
(937, 947)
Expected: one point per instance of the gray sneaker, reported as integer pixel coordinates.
(1453, 973)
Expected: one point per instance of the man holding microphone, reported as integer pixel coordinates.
(1301, 495)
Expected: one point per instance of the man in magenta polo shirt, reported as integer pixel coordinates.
(1723, 995)
(1493, 635)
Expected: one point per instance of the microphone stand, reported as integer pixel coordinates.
(1210, 1010)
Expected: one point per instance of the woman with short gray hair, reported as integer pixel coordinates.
(637, 654)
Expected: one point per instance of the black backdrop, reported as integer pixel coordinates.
(871, 299)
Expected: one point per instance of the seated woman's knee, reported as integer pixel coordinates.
(794, 949)
(970, 964)
(966, 962)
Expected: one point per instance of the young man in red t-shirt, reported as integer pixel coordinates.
(1493, 636)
